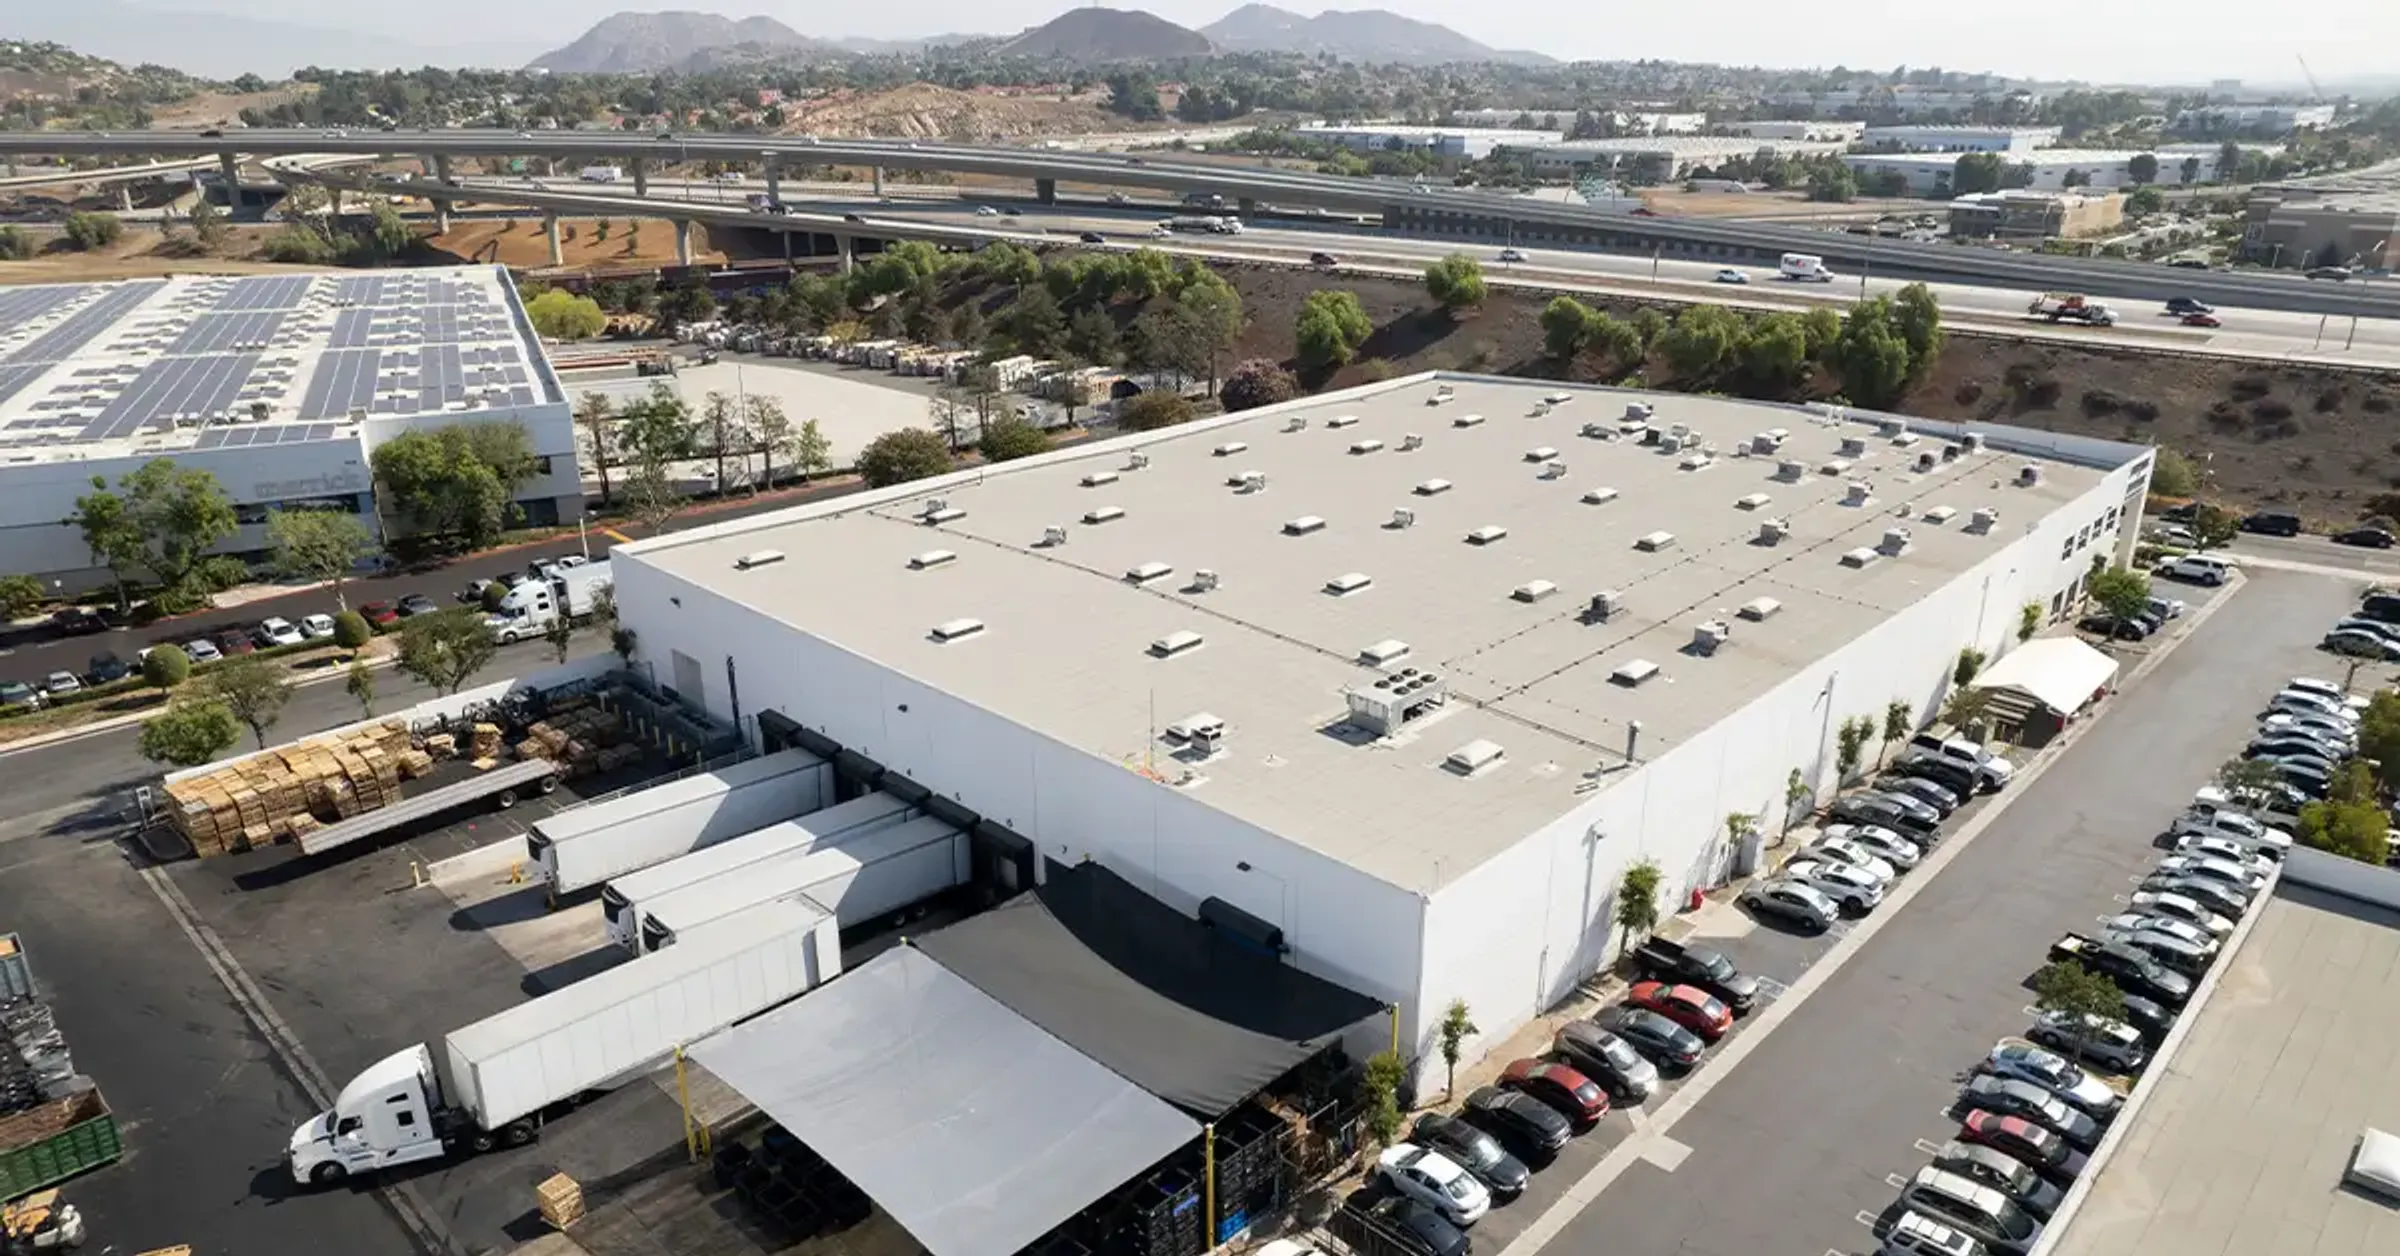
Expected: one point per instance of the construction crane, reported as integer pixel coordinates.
(2316, 94)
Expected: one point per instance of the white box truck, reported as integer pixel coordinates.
(622, 899)
(857, 881)
(1804, 267)
(585, 847)
(601, 174)
(492, 1083)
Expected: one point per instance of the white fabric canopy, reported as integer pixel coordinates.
(2061, 673)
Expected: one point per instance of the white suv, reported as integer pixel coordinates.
(1856, 889)
(2236, 830)
(2198, 569)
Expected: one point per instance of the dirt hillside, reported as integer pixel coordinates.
(927, 111)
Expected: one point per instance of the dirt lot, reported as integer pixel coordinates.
(520, 243)
(928, 111)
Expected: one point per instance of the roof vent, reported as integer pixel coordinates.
(1053, 536)
(1754, 501)
(757, 558)
(939, 512)
(1295, 423)
(1554, 470)
(1984, 519)
(1204, 581)
(1790, 469)
(1103, 514)
(1303, 525)
(1441, 396)
(1384, 653)
(1653, 542)
(1341, 420)
(1148, 572)
(1402, 517)
(1347, 583)
(1633, 674)
(1598, 431)
(1772, 531)
(1764, 444)
(931, 558)
(1474, 757)
(1950, 452)
(1940, 514)
(1230, 448)
(1927, 461)
(1904, 438)
(1411, 441)
(1199, 725)
(956, 629)
(1486, 534)
(1098, 478)
(1895, 542)
(1557, 398)
(1175, 643)
(1367, 446)
(1605, 603)
(2029, 475)
(1834, 466)
(1533, 590)
(1254, 482)
(1972, 442)
(1467, 420)
(1696, 459)
(1759, 610)
(1136, 460)
(1854, 447)
(1599, 496)
(1859, 557)
(1708, 634)
(1639, 411)
(1543, 454)
(1858, 493)
(1428, 488)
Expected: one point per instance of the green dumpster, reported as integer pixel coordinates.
(46, 1145)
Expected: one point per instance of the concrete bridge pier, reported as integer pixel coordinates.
(558, 248)
(1248, 205)
(1046, 191)
(641, 177)
(229, 170)
(441, 215)
(878, 181)
(848, 248)
(441, 169)
(125, 196)
(683, 241)
(774, 182)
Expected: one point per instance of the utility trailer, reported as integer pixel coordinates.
(622, 899)
(857, 881)
(493, 1083)
(504, 785)
(587, 846)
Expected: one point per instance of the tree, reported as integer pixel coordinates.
(1637, 903)
(2120, 591)
(457, 480)
(1850, 744)
(15, 245)
(560, 634)
(1210, 312)
(445, 649)
(165, 666)
(1092, 336)
(1458, 1025)
(208, 224)
(360, 685)
(2248, 782)
(897, 457)
(561, 315)
(1258, 382)
(1832, 182)
(1774, 356)
(2353, 830)
(2379, 736)
(1455, 282)
(1969, 664)
(1701, 342)
(1379, 1094)
(1796, 793)
(2078, 994)
(1007, 438)
(188, 734)
(2145, 201)
(254, 688)
(718, 418)
(2190, 171)
(2029, 620)
(656, 434)
(1035, 322)
(2172, 474)
(1966, 706)
(593, 413)
(318, 545)
(88, 230)
(1976, 172)
(1331, 327)
(1566, 327)
(2214, 527)
(2142, 168)
(1150, 411)
(1899, 720)
(1872, 354)
(20, 597)
(812, 450)
(170, 514)
(1917, 316)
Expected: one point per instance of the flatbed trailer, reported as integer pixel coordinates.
(506, 784)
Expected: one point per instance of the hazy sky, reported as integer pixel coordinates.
(2163, 41)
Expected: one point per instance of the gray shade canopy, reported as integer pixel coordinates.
(971, 1127)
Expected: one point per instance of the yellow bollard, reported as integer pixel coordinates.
(416, 875)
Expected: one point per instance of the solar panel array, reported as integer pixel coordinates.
(64, 338)
(220, 333)
(385, 382)
(267, 434)
(170, 390)
(265, 292)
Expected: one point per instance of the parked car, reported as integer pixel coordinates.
(1934, 794)
(2198, 569)
(2053, 1073)
(1430, 1178)
(1523, 1122)
(2172, 952)
(1876, 840)
(380, 614)
(316, 627)
(1837, 850)
(106, 668)
(1419, 1227)
(1607, 1059)
(2251, 853)
(2325, 689)
(2133, 972)
(2151, 1018)
(1915, 1234)
(1473, 1150)
(2009, 1097)
(1976, 1210)
(1904, 816)
(2360, 643)
(2286, 742)
(59, 684)
(1857, 890)
(1668, 1045)
(1991, 770)
(1661, 960)
(200, 650)
(17, 695)
(235, 641)
(2112, 628)
(2112, 1045)
(2182, 908)
(2368, 538)
(1989, 1166)
(2050, 1155)
(1689, 1006)
(1576, 1097)
(2216, 896)
(2166, 608)
(76, 621)
(1958, 778)
(2238, 877)
(2130, 922)
(416, 604)
(1791, 902)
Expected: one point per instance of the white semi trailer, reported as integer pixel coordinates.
(579, 849)
(622, 899)
(492, 1083)
(857, 881)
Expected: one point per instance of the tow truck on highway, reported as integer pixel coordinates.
(2072, 307)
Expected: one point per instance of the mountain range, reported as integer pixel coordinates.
(1371, 35)
(222, 45)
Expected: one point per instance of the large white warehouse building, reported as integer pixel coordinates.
(1411, 672)
(281, 386)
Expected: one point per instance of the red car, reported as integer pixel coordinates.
(236, 642)
(2022, 1139)
(1689, 1006)
(2202, 320)
(380, 613)
(1576, 1097)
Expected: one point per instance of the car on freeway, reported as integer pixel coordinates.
(2128, 922)
(1475, 1151)
(1906, 817)
(2216, 896)
(2050, 1155)
(17, 695)
(1840, 850)
(1430, 1178)
(279, 631)
(1689, 1006)
(59, 684)
(1526, 1124)
(1856, 889)
(1932, 793)
(416, 604)
(1512, 255)
(1989, 1166)
(2133, 971)
(1322, 258)
(1729, 274)
(1791, 902)
(1666, 1044)
(235, 641)
(986, 211)
(2098, 1041)
(1606, 1058)
(1574, 1096)
(2188, 306)
(2006, 1096)
(2231, 850)
(2182, 909)
(2202, 320)
(2335, 273)
(2367, 538)
(105, 668)
(316, 627)
(199, 650)
(1982, 1214)
(1091, 237)
(1118, 198)
(1160, 233)
(380, 614)
(1011, 211)
(852, 217)
(2237, 877)
(1419, 1227)
(2053, 1073)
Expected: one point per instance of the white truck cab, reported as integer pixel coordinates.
(1990, 769)
(385, 1116)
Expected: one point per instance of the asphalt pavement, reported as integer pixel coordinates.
(1798, 1147)
(2376, 564)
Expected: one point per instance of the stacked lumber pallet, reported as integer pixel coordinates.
(575, 741)
(276, 795)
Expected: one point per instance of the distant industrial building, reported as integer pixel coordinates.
(1821, 130)
(1636, 121)
(2297, 226)
(1910, 102)
(281, 386)
(1957, 139)
(1676, 155)
(2051, 169)
(1468, 142)
(2255, 119)
(2025, 214)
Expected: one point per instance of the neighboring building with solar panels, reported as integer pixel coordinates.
(281, 386)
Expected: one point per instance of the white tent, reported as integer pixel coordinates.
(2060, 673)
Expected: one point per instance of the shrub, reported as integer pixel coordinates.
(911, 453)
(1008, 439)
(89, 231)
(15, 245)
(351, 630)
(1153, 410)
(2249, 388)
(1377, 370)
(1255, 383)
(166, 666)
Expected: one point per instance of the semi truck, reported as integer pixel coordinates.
(494, 1083)
(858, 880)
(1214, 224)
(528, 610)
(586, 847)
(622, 899)
(2072, 307)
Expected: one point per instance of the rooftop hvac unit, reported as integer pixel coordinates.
(1230, 448)
(1653, 542)
(1347, 583)
(1927, 461)
(1763, 443)
(1790, 469)
(1467, 420)
(1895, 541)
(1303, 525)
(1904, 438)
(1204, 581)
(1384, 653)
(1772, 531)
(1639, 411)
(935, 516)
(1341, 420)
(1367, 446)
(1557, 398)
(1175, 643)
(1054, 535)
(758, 558)
(1695, 460)
(1533, 590)
(1403, 517)
(1940, 514)
(1709, 634)
(1098, 478)
(1486, 534)
(1428, 488)
(2029, 475)
(1605, 603)
(1540, 409)
(1677, 432)
(1853, 447)
(932, 558)
(1753, 501)
(1440, 396)
(1972, 442)
(258, 412)
(1543, 454)
(956, 629)
(1984, 519)
(936, 505)
(1893, 427)
(1147, 572)
(1475, 756)
(1858, 493)
(1136, 460)
(1554, 470)
(1859, 557)
(1411, 441)
(1197, 724)
(1103, 514)
(1834, 466)
(1598, 431)
(1599, 496)
(1392, 701)
(1634, 673)
(1254, 481)
(1295, 423)
(1758, 610)
(1950, 452)
(1651, 436)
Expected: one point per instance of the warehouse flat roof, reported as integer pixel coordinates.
(2242, 1147)
(208, 361)
(1079, 640)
